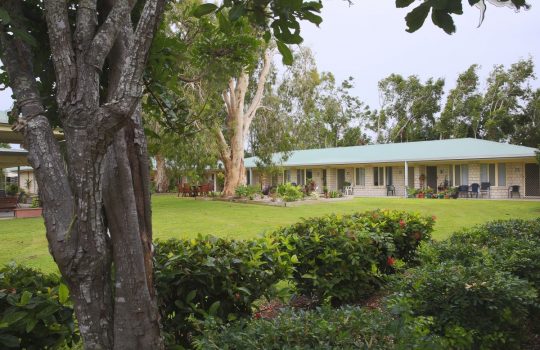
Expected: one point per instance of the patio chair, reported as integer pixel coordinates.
(485, 188)
(349, 190)
(390, 190)
(463, 191)
(474, 190)
(512, 190)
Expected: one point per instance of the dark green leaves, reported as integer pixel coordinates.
(443, 20)
(416, 18)
(4, 17)
(237, 11)
(403, 3)
(204, 9)
(286, 53)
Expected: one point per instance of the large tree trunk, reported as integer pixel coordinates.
(239, 118)
(101, 240)
(161, 179)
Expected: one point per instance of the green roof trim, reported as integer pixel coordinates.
(451, 149)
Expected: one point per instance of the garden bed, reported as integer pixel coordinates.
(278, 202)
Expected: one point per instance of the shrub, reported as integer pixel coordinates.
(213, 276)
(335, 194)
(12, 189)
(289, 193)
(343, 258)
(324, 328)
(486, 306)
(35, 312)
(247, 191)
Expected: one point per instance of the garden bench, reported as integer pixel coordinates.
(8, 203)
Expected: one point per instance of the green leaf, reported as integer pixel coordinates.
(63, 294)
(403, 3)
(191, 296)
(214, 308)
(294, 259)
(287, 57)
(313, 18)
(25, 298)
(24, 36)
(245, 290)
(30, 325)
(14, 317)
(204, 9)
(9, 341)
(267, 36)
(416, 18)
(4, 17)
(443, 20)
(237, 11)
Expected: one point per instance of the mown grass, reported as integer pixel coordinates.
(24, 241)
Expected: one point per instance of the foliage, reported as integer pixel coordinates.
(344, 258)
(484, 280)
(442, 11)
(209, 276)
(247, 191)
(36, 203)
(335, 194)
(35, 312)
(289, 193)
(324, 328)
(408, 109)
(489, 306)
(12, 189)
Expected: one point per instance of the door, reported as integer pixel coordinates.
(532, 180)
(340, 179)
(431, 177)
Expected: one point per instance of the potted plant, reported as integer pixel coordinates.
(429, 192)
(412, 192)
(420, 194)
(441, 194)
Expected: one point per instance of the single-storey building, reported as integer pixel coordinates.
(370, 169)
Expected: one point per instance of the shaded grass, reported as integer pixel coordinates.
(24, 241)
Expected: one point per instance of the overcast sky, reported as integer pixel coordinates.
(368, 42)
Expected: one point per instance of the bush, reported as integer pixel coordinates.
(247, 191)
(212, 276)
(12, 189)
(487, 308)
(343, 258)
(335, 194)
(289, 193)
(324, 328)
(34, 310)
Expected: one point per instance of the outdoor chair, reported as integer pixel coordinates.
(512, 190)
(474, 190)
(463, 191)
(390, 190)
(185, 189)
(485, 188)
(348, 190)
(8, 204)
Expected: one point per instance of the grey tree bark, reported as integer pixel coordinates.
(96, 199)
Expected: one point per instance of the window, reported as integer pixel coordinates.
(411, 177)
(286, 176)
(309, 174)
(389, 175)
(501, 167)
(300, 180)
(360, 176)
(378, 176)
(464, 177)
(324, 177)
(248, 177)
(487, 173)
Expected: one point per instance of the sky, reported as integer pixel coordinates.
(368, 41)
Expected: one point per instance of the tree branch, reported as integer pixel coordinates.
(63, 55)
(257, 98)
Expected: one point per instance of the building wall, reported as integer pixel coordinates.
(25, 176)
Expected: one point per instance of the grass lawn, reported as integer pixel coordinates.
(23, 240)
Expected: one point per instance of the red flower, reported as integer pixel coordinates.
(390, 261)
(402, 223)
(257, 315)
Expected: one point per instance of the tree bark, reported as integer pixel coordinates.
(101, 240)
(239, 118)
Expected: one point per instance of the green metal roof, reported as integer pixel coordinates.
(452, 149)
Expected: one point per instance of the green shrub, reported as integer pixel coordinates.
(213, 276)
(324, 328)
(486, 307)
(35, 312)
(343, 258)
(335, 194)
(12, 189)
(247, 191)
(289, 193)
